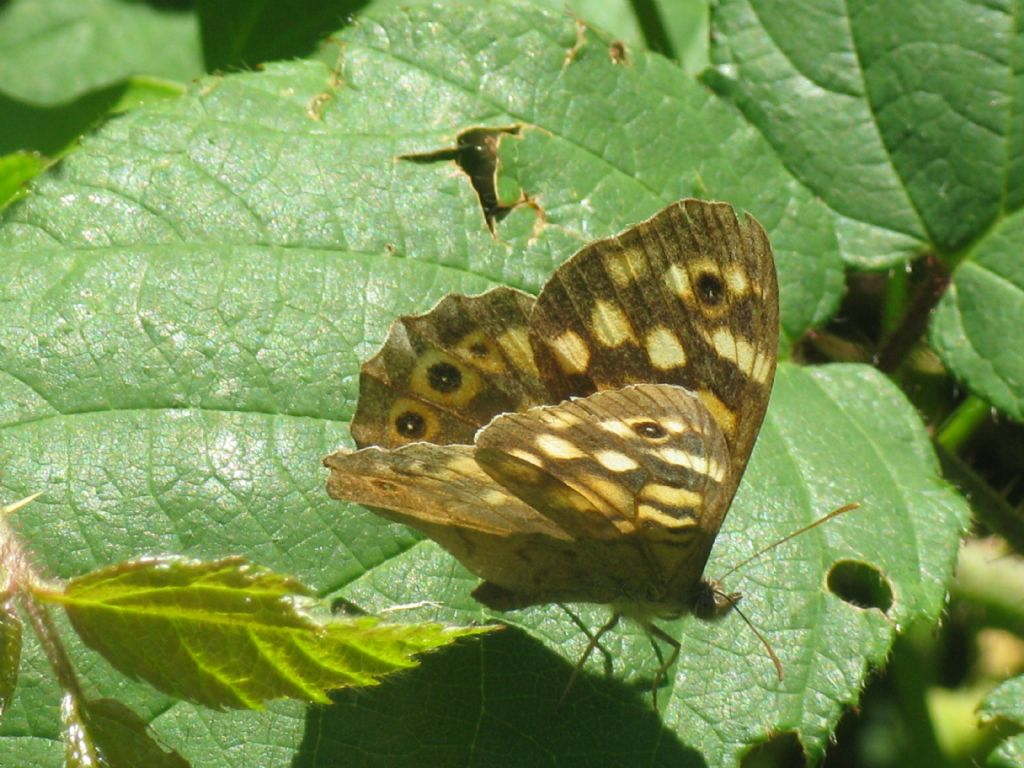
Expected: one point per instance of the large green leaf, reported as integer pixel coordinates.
(907, 118)
(187, 301)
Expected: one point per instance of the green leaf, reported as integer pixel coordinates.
(902, 116)
(229, 634)
(106, 734)
(10, 651)
(905, 117)
(187, 301)
(1006, 703)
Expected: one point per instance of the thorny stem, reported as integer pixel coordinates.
(20, 578)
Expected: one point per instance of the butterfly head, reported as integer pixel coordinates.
(709, 601)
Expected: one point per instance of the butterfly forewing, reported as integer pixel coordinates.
(440, 376)
(688, 297)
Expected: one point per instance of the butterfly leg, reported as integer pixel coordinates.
(594, 643)
(654, 631)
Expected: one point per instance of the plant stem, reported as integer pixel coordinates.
(960, 425)
(915, 321)
(21, 579)
(49, 638)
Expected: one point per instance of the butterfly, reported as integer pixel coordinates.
(583, 445)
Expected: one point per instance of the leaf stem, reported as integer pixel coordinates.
(961, 425)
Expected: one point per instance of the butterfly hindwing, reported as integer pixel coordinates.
(525, 557)
(648, 459)
(440, 376)
(688, 297)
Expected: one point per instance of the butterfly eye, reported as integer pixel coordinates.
(411, 425)
(444, 377)
(710, 288)
(650, 430)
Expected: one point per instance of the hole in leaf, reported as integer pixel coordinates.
(780, 749)
(476, 153)
(860, 584)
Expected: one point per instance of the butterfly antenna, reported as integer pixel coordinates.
(820, 521)
(594, 640)
(764, 641)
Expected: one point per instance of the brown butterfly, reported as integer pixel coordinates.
(583, 446)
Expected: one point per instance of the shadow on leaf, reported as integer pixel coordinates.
(446, 713)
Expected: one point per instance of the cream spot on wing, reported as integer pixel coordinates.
(721, 413)
(529, 458)
(616, 427)
(675, 427)
(626, 266)
(496, 498)
(649, 513)
(664, 349)
(702, 465)
(613, 498)
(680, 458)
(557, 447)
(615, 461)
(678, 281)
(737, 280)
(515, 342)
(762, 368)
(670, 495)
(677, 277)
(610, 324)
(464, 465)
(480, 352)
(571, 352)
(739, 351)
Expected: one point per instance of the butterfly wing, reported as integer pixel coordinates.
(440, 376)
(651, 464)
(525, 557)
(688, 297)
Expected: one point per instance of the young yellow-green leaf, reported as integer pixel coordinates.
(1006, 703)
(230, 634)
(106, 734)
(10, 652)
(15, 170)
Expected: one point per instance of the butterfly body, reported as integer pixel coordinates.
(583, 446)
